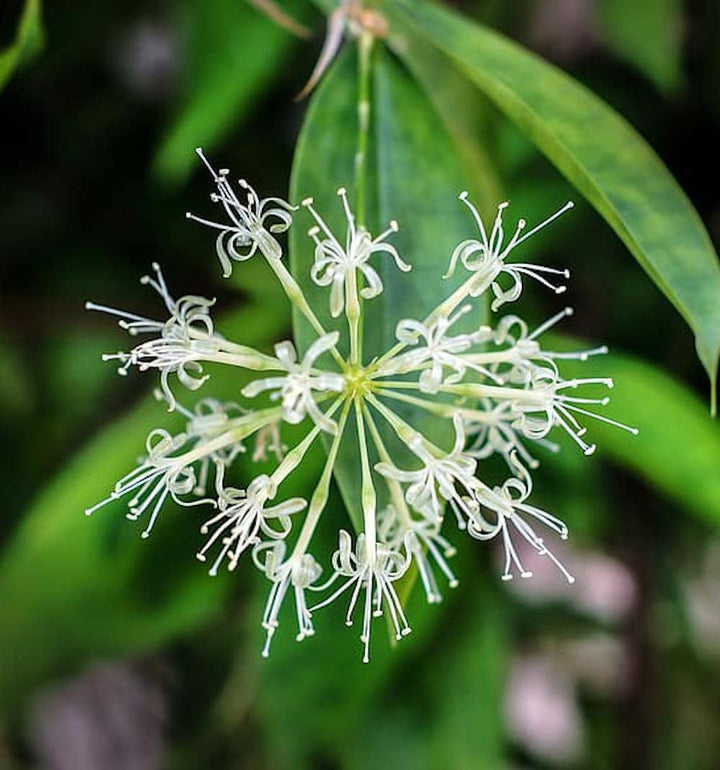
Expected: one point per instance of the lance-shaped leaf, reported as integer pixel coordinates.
(599, 153)
(414, 176)
(28, 41)
(678, 448)
(233, 51)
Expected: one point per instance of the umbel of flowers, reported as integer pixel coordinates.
(498, 388)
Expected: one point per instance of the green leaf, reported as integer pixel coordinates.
(414, 177)
(305, 708)
(233, 52)
(467, 688)
(449, 712)
(69, 583)
(323, 162)
(600, 154)
(678, 447)
(464, 117)
(647, 33)
(76, 588)
(28, 41)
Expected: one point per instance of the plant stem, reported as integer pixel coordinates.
(320, 496)
(365, 44)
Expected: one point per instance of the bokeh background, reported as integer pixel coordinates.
(117, 653)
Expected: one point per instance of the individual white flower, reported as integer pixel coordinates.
(372, 568)
(511, 512)
(524, 350)
(178, 465)
(438, 477)
(299, 573)
(211, 418)
(539, 403)
(185, 338)
(243, 515)
(486, 257)
(296, 388)
(424, 543)
(544, 402)
(251, 225)
(334, 261)
(183, 341)
(161, 473)
(495, 434)
(437, 352)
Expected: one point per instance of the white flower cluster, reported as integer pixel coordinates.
(498, 388)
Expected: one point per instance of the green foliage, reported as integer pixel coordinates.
(77, 588)
(28, 41)
(233, 51)
(678, 447)
(72, 587)
(393, 710)
(601, 155)
(648, 34)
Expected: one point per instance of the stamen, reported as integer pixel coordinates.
(342, 193)
(546, 222)
(207, 222)
(308, 204)
(201, 155)
(602, 418)
(476, 214)
(565, 313)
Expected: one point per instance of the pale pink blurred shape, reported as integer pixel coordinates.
(111, 717)
(603, 587)
(563, 29)
(146, 58)
(599, 662)
(541, 710)
(702, 597)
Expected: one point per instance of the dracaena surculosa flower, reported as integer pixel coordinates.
(493, 385)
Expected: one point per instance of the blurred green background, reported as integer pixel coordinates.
(120, 653)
